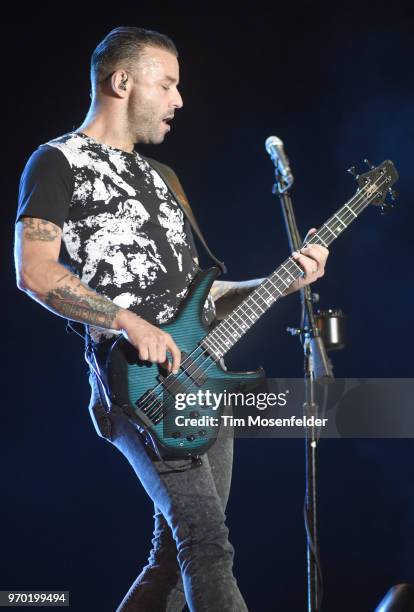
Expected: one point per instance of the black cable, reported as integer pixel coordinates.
(71, 329)
(315, 554)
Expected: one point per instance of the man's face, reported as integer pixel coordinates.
(154, 96)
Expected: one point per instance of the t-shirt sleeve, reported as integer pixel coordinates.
(46, 186)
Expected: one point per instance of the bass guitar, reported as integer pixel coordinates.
(148, 394)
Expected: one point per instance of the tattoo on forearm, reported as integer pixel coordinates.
(39, 229)
(95, 310)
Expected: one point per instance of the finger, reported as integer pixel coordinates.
(166, 365)
(162, 355)
(314, 261)
(317, 253)
(153, 352)
(320, 257)
(315, 250)
(175, 354)
(308, 265)
(143, 353)
(310, 233)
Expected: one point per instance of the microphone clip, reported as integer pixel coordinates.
(282, 184)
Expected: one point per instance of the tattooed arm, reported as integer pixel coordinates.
(42, 277)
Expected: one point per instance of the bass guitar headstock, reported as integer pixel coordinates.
(377, 184)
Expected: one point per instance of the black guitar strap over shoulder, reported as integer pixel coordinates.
(174, 185)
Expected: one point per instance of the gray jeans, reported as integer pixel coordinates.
(191, 559)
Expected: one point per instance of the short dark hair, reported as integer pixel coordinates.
(125, 44)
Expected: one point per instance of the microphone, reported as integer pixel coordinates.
(274, 146)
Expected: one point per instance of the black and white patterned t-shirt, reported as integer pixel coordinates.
(123, 232)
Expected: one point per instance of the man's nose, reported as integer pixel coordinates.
(178, 100)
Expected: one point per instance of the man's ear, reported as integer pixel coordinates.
(119, 82)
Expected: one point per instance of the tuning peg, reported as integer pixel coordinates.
(369, 164)
(393, 194)
(352, 170)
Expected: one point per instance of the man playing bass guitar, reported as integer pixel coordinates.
(103, 240)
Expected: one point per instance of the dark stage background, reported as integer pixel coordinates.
(335, 88)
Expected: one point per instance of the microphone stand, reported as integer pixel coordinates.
(317, 367)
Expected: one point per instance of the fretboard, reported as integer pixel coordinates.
(233, 327)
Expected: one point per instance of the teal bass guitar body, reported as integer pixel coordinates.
(148, 394)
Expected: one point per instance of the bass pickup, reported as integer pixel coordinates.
(191, 369)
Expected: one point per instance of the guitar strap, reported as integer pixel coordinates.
(174, 185)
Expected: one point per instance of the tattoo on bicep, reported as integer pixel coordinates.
(96, 310)
(39, 229)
